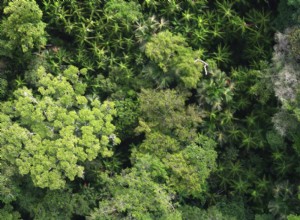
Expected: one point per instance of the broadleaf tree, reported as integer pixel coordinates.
(50, 132)
(22, 30)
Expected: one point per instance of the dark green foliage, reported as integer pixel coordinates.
(133, 195)
(7, 213)
(190, 212)
(209, 123)
(183, 169)
(295, 4)
(127, 117)
(294, 39)
(58, 204)
(283, 196)
(263, 217)
(9, 190)
(3, 86)
(285, 15)
(223, 210)
(165, 111)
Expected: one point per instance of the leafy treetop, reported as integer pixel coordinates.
(176, 61)
(47, 135)
(23, 30)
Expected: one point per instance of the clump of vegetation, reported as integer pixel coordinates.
(149, 109)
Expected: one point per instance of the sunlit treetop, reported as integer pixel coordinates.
(48, 134)
(176, 61)
(22, 30)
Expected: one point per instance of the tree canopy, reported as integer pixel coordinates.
(47, 134)
(126, 109)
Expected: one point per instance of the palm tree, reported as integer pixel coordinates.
(235, 169)
(69, 26)
(129, 42)
(248, 141)
(202, 22)
(259, 19)
(20, 82)
(251, 120)
(171, 9)
(282, 167)
(240, 186)
(222, 55)
(97, 51)
(82, 35)
(226, 117)
(199, 36)
(162, 23)
(256, 196)
(151, 4)
(224, 179)
(217, 32)
(187, 16)
(234, 133)
(239, 24)
(262, 184)
(225, 8)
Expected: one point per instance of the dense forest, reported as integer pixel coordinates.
(150, 109)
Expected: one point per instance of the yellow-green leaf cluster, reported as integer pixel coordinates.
(22, 30)
(49, 133)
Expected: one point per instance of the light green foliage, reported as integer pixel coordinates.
(148, 57)
(159, 145)
(150, 154)
(153, 165)
(171, 137)
(191, 167)
(134, 195)
(165, 111)
(122, 10)
(22, 30)
(9, 190)
(7, 213)
(176, 61)
(293, 217)
(184, 169)
(49, 133)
